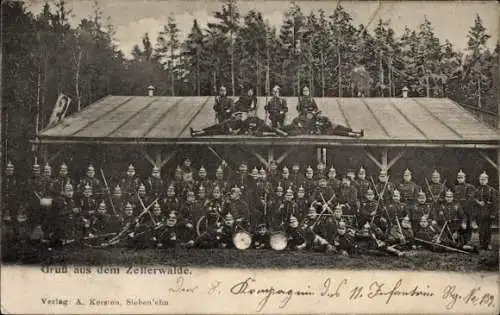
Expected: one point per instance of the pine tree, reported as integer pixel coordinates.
(168, 45)
(192, 51)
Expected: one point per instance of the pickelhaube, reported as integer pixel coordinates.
(342, 224)
(262, 171)
(289, 191)
(202, 170)
(156, 169)
(255, 172)
(396, 193)
(421, 193)
(361, 170)
(90, 168)
(10, 165)
(117, 189)
(285, 169)
(102, 205)
(87, 187)
(293, 222)
(407, 172)
(279, 188)
(131, 167)
(128, 206)
(309, 169)
(370, 191)
(382, 173)
(483, 175)
(142, 187)
(301, 188)
(201, 188)
(178, 169)
(63, 166)
(449, 193)
(47, 167)
(332, 169)
(461, 174)
(216, 189)
(235, 189)
(435, 173)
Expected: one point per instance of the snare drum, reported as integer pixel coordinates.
(242, 240)
(278, 240)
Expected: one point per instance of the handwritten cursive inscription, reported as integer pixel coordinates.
(378, 289)
(180, 287)
(244, 288)
(474, 296)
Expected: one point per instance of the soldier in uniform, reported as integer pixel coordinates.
(312, 234)
(92, 181)
(362, 184)
(242, 180)
(333, 182)
(309, 182)
(320, 170)
(187, 183)
(408, 189)
(46, 179)
(224, 106)
(61, 180)
(170, 202)
(348, 196)
(232, 125)
(306, 103)
(275, 200)
(247, 102)
(422, 208)
(202, 180)
(302, 203)
(254, 126)
(177, 181)
(213, 208)
(344, 240)
(324, 193)
(130, 183)
(296, 176)
(486, 204)
(201, 195)
(452, 214)
(285, 180)
(154, 184)
(273, 176)
(88, 206)
(187, 169)
(66, 221)
(118, 200)
(238, 208)
(220, 181)
(394, 211)
(277, 109)
(464, 195)
(191, 211)
(368, 208)
(11, 194)
(384, 188)
(284, 211)
(436, 189)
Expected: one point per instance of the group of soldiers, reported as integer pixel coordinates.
(239, 118)
(312, 207)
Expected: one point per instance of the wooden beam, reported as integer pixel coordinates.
(318, 155)
(270, 155)
(324, 156)
(260, 158)
(157, 157)
(488, 159)
(168, 158)
(53, 157)
(395, 159)
(374, 160)
(384, 159)
(284, 155)
(147, 157)
(44, 152)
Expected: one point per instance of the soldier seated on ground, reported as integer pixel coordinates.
(316, 124)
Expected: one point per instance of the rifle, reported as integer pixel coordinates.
(434, 199)
(442, 246)
(146, 209)
(109, 192)
(380, 196)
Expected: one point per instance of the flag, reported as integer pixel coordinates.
(60, 109)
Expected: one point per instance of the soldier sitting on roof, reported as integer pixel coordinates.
(310, 120)
(223, 106)
(243, 123)
(247, 102)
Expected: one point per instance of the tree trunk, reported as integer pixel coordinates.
(479, 105)
(197, 73)
(172, 82)
(339, 77)
(322, 75)
(232, 64)
(78, 60)
(427, 87)
(391, 93)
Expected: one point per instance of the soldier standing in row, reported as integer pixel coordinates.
(61, 180)
(362, 184)
(486, 202)
(247, 102)
(154, 184)
(464, 195)
(92, 181)
(277, 109)
(9, 203)
(409, 190)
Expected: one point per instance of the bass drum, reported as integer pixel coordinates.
(278, 240)
(201, 225)
(242, 240)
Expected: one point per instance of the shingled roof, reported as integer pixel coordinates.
(386, 121)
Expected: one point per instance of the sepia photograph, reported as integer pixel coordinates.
(151, 137)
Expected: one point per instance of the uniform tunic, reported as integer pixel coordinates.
(277, 109)
(224, 108)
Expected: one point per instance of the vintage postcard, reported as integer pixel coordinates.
(249, 157)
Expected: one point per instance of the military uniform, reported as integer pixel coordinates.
(348, 195)
(246, 103)
(362, 185)
(277, 109)
(154, 184)
(483, 214)
(130, 185)
(224, 108)
(409, 191)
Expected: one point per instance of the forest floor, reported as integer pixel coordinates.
(418, 260)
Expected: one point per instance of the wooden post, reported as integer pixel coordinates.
(270, 155)
(158, 158)
(384, 159)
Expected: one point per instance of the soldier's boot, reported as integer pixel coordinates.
(195, 133)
